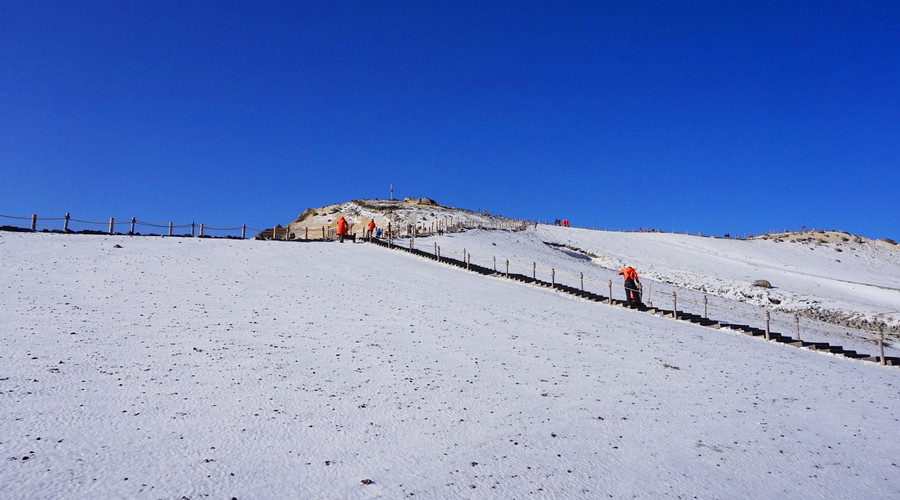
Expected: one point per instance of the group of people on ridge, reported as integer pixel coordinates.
(343, 227)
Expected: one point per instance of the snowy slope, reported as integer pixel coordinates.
(172, 368)
(862, 281)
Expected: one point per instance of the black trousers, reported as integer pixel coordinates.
(632, 294)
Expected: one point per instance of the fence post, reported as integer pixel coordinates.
(243, 231)
(552, 278)
(170, 228)
(274, 232)
(306, 233)
(201, 230)
(468, 261)
(112, 223)
(609, 298)
(323, 233)
(507, 268)
(581, 275)
(34, 222)
(881, 345)
(767, 325)
(797, 325)
(411, 243)
(534, 271)
(704, 306)
(495, 263)
(132, 225)
(192, 229)
(438, 254)
(66, 224)
(674, 305)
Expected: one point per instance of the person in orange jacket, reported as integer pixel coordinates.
(632, 286)
(371, 229)
(342, 228)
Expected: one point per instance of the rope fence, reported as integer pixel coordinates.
(685, 304)
(131, 226)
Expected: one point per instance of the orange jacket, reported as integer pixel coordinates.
(342, 226)
(371, 225)
(629, 274)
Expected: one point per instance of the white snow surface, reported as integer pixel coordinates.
(177, 367)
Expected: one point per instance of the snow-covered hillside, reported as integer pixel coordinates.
(412, 215)
(151, 367)
(856, 283)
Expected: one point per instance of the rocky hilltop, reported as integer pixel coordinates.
(404, 216)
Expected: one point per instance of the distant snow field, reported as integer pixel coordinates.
(152, 367)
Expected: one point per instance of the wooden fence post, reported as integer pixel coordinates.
(66, 224)
(34, 222)
(133, 220)
(274, 231)
(201, 230)
(581, 276)
(323, 233)
(192, 229)
(704, 306)
(507, 268)
(243, 231)
(674, 305)
(495, 263)
(306, 234)
(797, 325)
(534, 271)
(881, 345)
(170, 228)
(112, 223)
(468, 261)
(552, 278)
(609, 298)
(767, 325)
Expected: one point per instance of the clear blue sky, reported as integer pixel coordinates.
(703, 116)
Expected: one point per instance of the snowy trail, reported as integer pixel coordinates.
(187, 367)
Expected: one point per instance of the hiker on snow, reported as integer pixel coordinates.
(632, 286)
(342, 228)
(371, 228)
